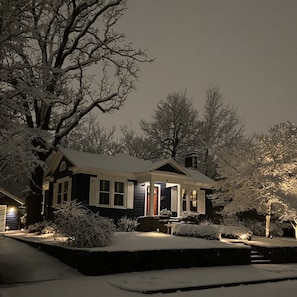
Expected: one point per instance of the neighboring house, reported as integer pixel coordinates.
(11, 208)
(123, 185)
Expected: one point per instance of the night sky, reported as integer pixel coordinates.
(246, 48)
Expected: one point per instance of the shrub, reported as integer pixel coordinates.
(165, 213)
(210, 231)
(43, 227)
(126, 224)
(82, 227)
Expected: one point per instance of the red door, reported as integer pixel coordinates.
(148, 201)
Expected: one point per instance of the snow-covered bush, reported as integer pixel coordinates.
(82, 227)
(194, 217)
(211, 231)
(193, 230)
(165, 212)
(189, 216)
(126, 224)
(43, 227)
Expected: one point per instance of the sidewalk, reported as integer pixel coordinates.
(17, 264)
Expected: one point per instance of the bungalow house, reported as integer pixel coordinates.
(123, 185)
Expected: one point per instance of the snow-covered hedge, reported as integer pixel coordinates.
(126, 224)
(82, 227)
(211, 231)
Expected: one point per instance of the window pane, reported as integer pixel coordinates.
(59, 188)
(65, 186)
(103, 198)
(119, 187)
(193, 204)
(119, 199)
(104, 185)
(59, 198)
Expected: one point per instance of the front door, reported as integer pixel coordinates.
(156, 201)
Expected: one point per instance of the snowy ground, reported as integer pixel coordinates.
(43, 275)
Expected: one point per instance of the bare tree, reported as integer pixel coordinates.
(171, 132)
(136, 145)
(221, 127)
(90, 136)
(60, 60)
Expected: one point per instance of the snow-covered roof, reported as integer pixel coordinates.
(120, 162)
(196, 175)
(124, 163)
(13, 197)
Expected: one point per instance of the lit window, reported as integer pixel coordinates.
(119, 193)
(104, 191)
(184, 197)
(193, 201)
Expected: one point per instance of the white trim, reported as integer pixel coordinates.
(6, 193)
(128, 195)
(201, 200)
(56, 189)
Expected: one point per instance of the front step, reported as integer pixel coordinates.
(259, 258)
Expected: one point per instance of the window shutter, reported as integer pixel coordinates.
(130, 195)
(201, 201)
(94, 191)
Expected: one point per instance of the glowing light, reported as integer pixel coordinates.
(12, 210)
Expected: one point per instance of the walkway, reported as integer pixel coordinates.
(18, 264)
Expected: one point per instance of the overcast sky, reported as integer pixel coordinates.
(248, 48)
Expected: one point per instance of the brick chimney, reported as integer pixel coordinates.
(191, 160)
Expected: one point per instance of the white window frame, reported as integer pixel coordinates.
(200, 200)
(56, 190)
(105, 192)
(128, 194)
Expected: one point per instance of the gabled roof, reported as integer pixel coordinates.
(120, 163)
(124, 163)
(11, 196)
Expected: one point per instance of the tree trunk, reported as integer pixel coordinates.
(268, 219)
(34, 200)
(267, 227)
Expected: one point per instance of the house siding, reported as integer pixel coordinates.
(80, 187)
(208, 204)
(117, 213)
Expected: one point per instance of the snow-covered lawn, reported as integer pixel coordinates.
(134, 284)
(133, 241)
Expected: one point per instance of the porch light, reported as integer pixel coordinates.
(11, 210)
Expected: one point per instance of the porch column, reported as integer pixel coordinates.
(151, 206)
(179, 200)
